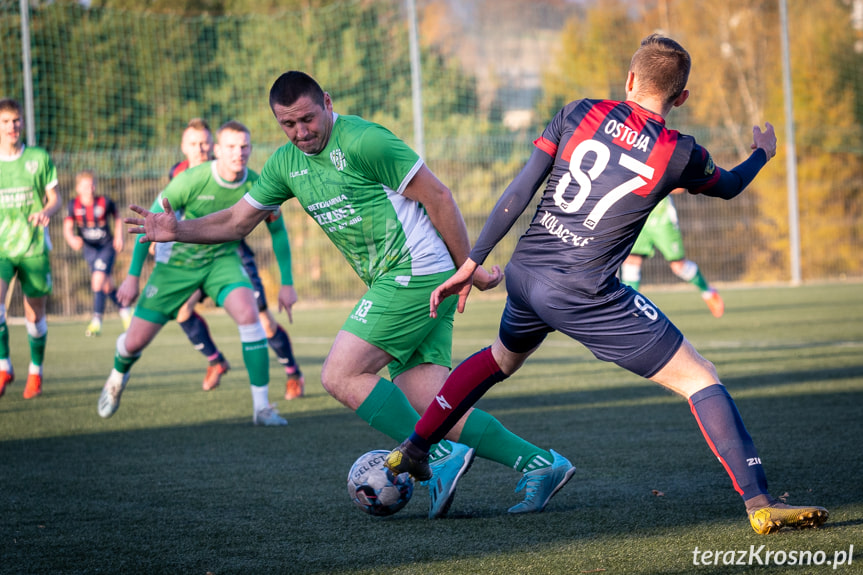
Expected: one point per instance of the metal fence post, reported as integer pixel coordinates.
(790, 150)
(416, 79)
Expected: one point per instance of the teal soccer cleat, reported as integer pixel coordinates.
(542, 484)
(446, 472)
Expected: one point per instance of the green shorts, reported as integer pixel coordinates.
(662, 233)
(34, 273)
(395, 318)
(170, 286)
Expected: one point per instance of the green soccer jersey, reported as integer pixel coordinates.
(195, 193)
(353, 190)
(23, 182)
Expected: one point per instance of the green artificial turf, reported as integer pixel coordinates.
(179, 481)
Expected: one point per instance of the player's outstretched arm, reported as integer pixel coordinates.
(153, 226)
(227, 225)
(732, 182)
(460, 283)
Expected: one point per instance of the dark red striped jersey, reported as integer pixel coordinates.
(93, 221)
(177, 168)
(613, 162)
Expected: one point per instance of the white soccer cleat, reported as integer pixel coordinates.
(269, 416)
(126, 317)
(109, 401)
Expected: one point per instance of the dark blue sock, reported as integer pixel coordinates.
(99, 303)
(198, 332)
(723, 428)
(281, 344)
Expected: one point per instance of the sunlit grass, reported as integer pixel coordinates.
(179, 481)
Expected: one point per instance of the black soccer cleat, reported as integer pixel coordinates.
(408, 458)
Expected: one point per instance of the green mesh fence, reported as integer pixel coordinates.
(114, 87)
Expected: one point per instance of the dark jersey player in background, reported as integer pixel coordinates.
(608, 165)
(88, 227)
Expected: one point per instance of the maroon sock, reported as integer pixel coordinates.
(464, 386)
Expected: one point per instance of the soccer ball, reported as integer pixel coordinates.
(374, 489)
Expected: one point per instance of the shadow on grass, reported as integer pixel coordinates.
(227, 497)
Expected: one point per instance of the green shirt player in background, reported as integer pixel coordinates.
(402, 233)
(182, 268)
(28, 199)
(661, 232)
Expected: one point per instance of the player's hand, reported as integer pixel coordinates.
(76, 243)
(153, 227)
(460, 283)
(128, 291)
(765, 140)
(118, 243)
(39, 219)
(287, 299)
(484, 280)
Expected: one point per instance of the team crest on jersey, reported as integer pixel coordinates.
(710, 167)
(32, 166)
(337, 157)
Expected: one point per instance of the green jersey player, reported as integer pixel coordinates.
(661, 232)
(400, 230)
(28, 199)
(183, 268)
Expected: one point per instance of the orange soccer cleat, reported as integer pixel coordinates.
(214, 374)
(714, 302)
(33, 387)
(295, 387)
(6, 378)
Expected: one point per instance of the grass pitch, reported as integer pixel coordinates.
(179, 481)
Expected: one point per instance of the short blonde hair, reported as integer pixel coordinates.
(85, 174)
(661, 66)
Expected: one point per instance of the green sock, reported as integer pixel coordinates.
(440, 449)
(495, 442)
(124, 364)
(257, 360)
(37, 348)
(4, 341)
(388, 410)
(699, 281)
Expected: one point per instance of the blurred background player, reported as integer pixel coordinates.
(196, 145)
(86, 227)
(661, 232)
(28, 186)
(182, 268)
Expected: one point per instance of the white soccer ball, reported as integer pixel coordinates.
(374, 489)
